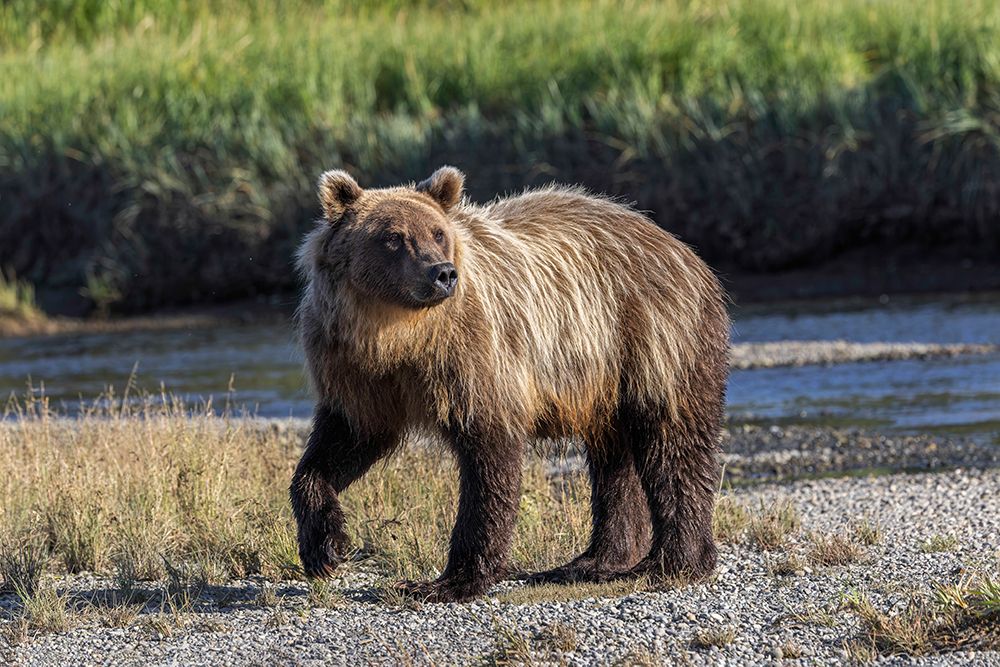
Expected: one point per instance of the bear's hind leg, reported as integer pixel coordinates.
(334, 457)
(677, 460)
(620, 518)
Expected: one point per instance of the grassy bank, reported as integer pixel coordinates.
(145, 486)
(18, 311)
(159, 152)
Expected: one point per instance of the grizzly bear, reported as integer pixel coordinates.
(553, 314)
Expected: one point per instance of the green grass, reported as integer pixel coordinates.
(17, 299)
(142, 133)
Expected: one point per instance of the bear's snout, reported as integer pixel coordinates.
(443, 278)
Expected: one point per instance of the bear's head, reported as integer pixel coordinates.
(391, 245)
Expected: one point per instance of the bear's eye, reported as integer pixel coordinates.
(439, 236)
(393, 240)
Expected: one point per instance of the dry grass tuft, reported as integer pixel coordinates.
(267, 597)
(730, 519)
(22, 562)
(324, 595)
(641, 657)
(772, 526)
(147, 488)
(787, 566)
(705, 638)
(17, 299)
(44, 611)
(511, 646)
(965, 615)
(557, 637)
(831, 550)
(120, 615)
(868, 533)
(790, 650)
(859, 651)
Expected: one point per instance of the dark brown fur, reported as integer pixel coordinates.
(573, 316)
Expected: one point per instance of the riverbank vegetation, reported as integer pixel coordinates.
(160, 152)
(18, 310)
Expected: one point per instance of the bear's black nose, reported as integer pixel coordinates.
(444, 277)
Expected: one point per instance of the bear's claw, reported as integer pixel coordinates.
(442, 590)
(320, 556)
(574, 574)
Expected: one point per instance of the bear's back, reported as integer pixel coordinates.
(588, 298)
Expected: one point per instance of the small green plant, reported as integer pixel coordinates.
(17, 298)
(976, 595)
(102, 292)
(939, 543)
(44, 610)
(787, 566)
(868, 533)
(323, 594)
(833, 550)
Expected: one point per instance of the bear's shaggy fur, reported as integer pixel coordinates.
(572, 317)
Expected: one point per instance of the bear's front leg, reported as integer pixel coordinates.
(489, 493)
(334, 457)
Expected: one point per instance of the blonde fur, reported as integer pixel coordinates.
(567, 304)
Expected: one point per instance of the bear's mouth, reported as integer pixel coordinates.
(427, 298)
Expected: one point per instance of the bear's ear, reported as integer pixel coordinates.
(445, 186)
(337, 191)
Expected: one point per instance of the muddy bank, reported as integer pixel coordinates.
(243, 312)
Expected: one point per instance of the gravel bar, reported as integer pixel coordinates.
(766, 612)
(813, 352)
(774, 453)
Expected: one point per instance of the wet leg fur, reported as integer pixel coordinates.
(678, 467)
(676, 455)
(334, 457)
(620, 518)
(489, 466)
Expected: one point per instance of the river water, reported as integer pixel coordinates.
(957, 395)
